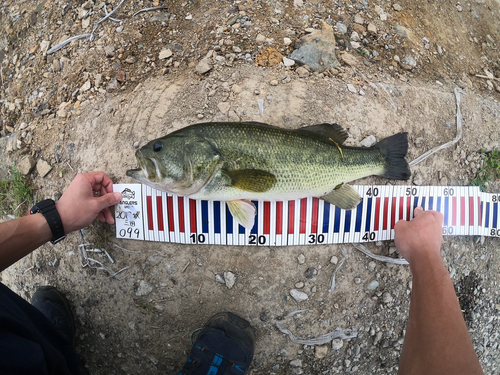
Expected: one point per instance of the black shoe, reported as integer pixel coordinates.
(54, 305)
(225, 346)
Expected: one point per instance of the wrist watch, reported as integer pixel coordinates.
(48, 209)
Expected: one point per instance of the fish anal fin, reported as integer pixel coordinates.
(253, 180)
(330, 131)
(344, 197)
(243, 212)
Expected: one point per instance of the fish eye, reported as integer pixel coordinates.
(157, 146)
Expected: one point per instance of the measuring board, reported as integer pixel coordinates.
(152, 215)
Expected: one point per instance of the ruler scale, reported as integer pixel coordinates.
(152, 215)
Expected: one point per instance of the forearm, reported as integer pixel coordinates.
(437, 340)
(20, 237)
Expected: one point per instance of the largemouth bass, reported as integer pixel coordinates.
(240, 162)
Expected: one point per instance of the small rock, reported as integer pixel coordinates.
(260, 38)
(144, 289)
(417, 179)
(296, 363)
(131, 59)
(80, 312)
(349, 59)
(136, 144)
(334, 260)
(401, 30)
(203, 67)
(288, 62)
(121, 76)
(224, 107)
(372, 29)
(371, 266)
(410, 61)
(219, 279)
(351, 88)
(98, 80)
(44, 46)
(369, 141)
(357, 280)
(341, 28)
(109, 51)
(62, 113)
(372, 285)
(274, 82)
(302, 72)
(355, 36)
(337, 344)
(113, 85)
(301, 259)
(25, 165)
(56, 65)
(321, 351)
(237, 89)
(229, 279)
(86, 86)
(287, 41)
(387, 297)
(43, 168)
(397, 7)
(347, 362)
(298, 295)
(299, 285)
(357, 350)
(165, 54)
(311, 272)
(377, 338)
(358, 19)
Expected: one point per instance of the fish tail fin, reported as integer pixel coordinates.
(394, 149)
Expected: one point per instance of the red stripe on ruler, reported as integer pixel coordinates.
(159, 210)
(393, 216)
(314, 225)
(291, 216)
(454, 212)
(462, 211)
(267, 217)
(479, 218)
(170, 210)
(181, 214)
(303, 213)
(150, 212)
(386, 211)
(192, 215)
(401, 201)
(471, 210)
(279, 217)
(408, 208)
(377, 210)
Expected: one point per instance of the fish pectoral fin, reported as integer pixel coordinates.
(344, 197)
(243, 211)
(253, 180)
(330, 131)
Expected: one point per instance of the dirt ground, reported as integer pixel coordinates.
(140, 321)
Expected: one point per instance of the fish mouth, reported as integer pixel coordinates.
(148, 170)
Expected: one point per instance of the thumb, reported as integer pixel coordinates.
(418, 210)
(109, 199)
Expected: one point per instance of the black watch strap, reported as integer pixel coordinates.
(48, 209)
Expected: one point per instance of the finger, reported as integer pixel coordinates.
(438, 216)
(101, 217)
(418, 210)
(108, 216)
(101, 179)
(109, 199)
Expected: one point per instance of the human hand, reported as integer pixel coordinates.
(89, 195)
(422, 234)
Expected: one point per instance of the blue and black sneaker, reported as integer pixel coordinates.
(55, 306)
(225, 346)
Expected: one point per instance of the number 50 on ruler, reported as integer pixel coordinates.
(152, 215)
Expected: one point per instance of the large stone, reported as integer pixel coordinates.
(43, 168)
(317, 50)
(25, 165)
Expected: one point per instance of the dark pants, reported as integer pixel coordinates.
(29, 343)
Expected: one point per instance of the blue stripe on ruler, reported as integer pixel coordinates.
(359, 211)
(255, 225)
(487, 221)
(347, 227)
(326, 217)
(495, 214)
(204, 216)
(368, 215)
(336, 227)
(415, 202)
(217, 216)
(446, 206)
(431, 203)
(438, 208)
(423, 202)
(229, 221)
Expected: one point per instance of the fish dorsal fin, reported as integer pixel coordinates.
(331, 131)
(243, 212)
(344, 197)
(253, 180)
